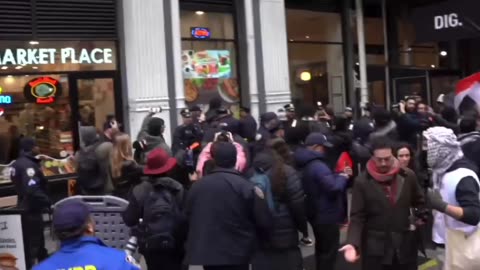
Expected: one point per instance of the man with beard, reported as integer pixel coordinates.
(382, 226)
(455, 197)
(409, 122)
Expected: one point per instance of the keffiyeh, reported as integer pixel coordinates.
(443, 149)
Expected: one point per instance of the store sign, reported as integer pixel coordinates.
(12, 252)
(46, 56)
(201, 33)
(5, 99)
(450, 20)
(43, 90)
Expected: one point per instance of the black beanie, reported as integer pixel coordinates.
(27, 144)
(155, 126)
(224, 154)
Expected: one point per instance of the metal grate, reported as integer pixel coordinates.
(86, 19)
(58, 19)
(16, 19)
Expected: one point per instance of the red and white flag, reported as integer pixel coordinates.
(467, 94)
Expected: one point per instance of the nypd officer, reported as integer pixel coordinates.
(31, 187)
(187, 133)
(79, 248)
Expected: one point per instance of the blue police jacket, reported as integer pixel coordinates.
(87, 253)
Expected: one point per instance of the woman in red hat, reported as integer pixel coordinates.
(155, 211)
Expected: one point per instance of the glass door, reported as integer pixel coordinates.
(94, 101)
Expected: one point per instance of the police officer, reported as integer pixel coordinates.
(79, 248)
(225, 212)
(31, 187)
(290, 113)
(187, 133)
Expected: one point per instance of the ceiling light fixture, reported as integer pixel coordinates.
(305, 76)
(4, 67)
(35, 67)
(199, 12)
(307, 37)
(433, 66)
(34, 42)
(291, 40)
(443, 53)
(18, 67)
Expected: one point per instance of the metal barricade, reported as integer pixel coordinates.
(107, 212)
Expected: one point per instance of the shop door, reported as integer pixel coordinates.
(94, 100)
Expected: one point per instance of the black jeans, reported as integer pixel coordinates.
(157, 260)
(327, 237)
(226, 267)
(281, 259)
(36, 237)
(375, 263)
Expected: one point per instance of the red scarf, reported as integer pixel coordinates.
(388, 181)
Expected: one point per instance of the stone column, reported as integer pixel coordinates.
(251, 58)
(274, 54)
(145, 61)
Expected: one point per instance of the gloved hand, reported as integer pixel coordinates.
(435, 201)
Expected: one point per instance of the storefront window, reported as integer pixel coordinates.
(316, 58)
(38, 99)
(209, 58)
(48, 122)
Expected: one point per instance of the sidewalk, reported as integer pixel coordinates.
(308, 255)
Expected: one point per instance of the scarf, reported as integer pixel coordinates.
(387, 181)
(443, 150)
(383, 177)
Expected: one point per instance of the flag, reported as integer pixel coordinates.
(467, 94)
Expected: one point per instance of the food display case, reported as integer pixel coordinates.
(59, 172)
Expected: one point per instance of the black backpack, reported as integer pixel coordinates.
(90, 175)
(162, 219)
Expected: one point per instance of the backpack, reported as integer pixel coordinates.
(90, 175)
(262, 181)
(162, 219)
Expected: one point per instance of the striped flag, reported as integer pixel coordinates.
(467, 94)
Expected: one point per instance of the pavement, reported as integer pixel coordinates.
(308, 255)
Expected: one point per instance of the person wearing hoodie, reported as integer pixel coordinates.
(150, 137)
(384, 125)
(93, 163)
(31, 188)
(213, 106)
(341, 139)
(125, 171)
(455, 197)
(281, 251)
(382, 221)
(469, 137)
(325, 193)
(143, 196)
(270, 127)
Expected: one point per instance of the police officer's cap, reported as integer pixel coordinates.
(289, 107)
(70, 215)
(186, 113)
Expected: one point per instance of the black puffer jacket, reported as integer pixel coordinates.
(289, 217)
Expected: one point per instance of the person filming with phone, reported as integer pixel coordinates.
(205, 160)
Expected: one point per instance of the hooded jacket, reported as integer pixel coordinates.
(325, 191)
(289, 217)
(91, 139)
(390, 131)
(470, 143)
(151, 142)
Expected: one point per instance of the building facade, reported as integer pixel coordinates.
(165, 40)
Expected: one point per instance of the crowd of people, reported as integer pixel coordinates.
(229, 193)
